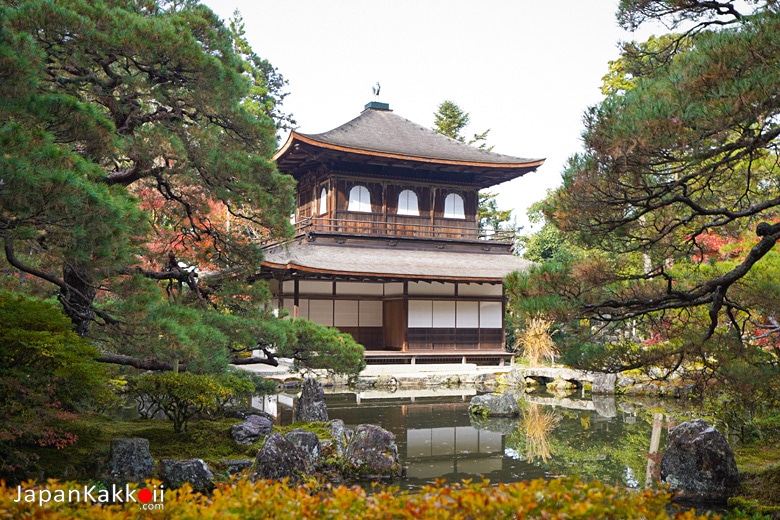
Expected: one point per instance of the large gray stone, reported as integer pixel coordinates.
(486, 380)
(698, 464)
(278, 459)
(372, 453)
(195, 472)
(340, 434)
(515, 379)
(309, 444)
(130, 460)
(311, 405)
(604, 384)
(251, 430)
(494, 405)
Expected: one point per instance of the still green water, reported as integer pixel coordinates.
(601, 438)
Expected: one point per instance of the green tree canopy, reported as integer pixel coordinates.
(546, 243)
(674, 204)
(689, 151)
(450, 120)
(136, 178)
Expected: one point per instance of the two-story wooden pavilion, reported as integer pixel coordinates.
(387, 246)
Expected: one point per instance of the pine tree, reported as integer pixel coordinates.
(135, 175)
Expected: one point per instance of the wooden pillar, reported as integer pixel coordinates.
(331, 199)
(280, 293)
(295, 299)
(655, 441)
(405, 346)
(433, 207)
(503, 317)
(385, 225)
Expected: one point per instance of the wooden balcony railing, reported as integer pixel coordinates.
(400, 226)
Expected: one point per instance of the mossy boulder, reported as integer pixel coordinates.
(372, 453)
(279, 458)
(699, 464)
(494, 405)
(195, 472)
(131, 460)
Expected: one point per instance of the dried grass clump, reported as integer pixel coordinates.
(536, 341)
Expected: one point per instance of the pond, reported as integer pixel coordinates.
(600, 438)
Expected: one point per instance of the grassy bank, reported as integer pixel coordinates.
(759, 466)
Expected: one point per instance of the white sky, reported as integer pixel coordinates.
(525, 69)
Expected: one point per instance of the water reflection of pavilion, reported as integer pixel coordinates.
(434, 435)
(433, 450)
(437, 439)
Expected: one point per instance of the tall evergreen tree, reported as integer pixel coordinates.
(450, 120)
(135, 174)
(676, 203)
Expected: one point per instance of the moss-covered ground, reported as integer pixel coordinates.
(759, 467)
(88, 458)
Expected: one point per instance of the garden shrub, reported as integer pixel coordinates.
(48, 376)
(560, 498)
(182, 396)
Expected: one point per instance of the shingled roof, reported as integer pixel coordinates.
(378, 134)
(409, 264)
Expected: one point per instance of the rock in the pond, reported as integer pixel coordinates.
(309, 444)
(604, 384)
(251, 430)
(372, 453)
(487, 380)
(278, 459)
(340, 434)
(515, 379)
(698, 464)
(494, 405)
(311, 405)
(130, 460)
(195, 472)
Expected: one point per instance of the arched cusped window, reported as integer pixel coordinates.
(453, 206)
(323, 201)
(359, 199)
(407, 203)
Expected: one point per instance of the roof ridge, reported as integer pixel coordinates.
(385, 131)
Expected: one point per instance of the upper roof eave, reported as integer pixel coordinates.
(294, 137)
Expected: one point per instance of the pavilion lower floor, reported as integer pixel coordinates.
(439, 318)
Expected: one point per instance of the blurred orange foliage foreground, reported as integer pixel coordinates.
(560, 498)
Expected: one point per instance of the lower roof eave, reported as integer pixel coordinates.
(300, 269)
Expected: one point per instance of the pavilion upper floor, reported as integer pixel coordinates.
(353, 204)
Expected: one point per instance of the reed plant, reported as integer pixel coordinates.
(536, 341)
